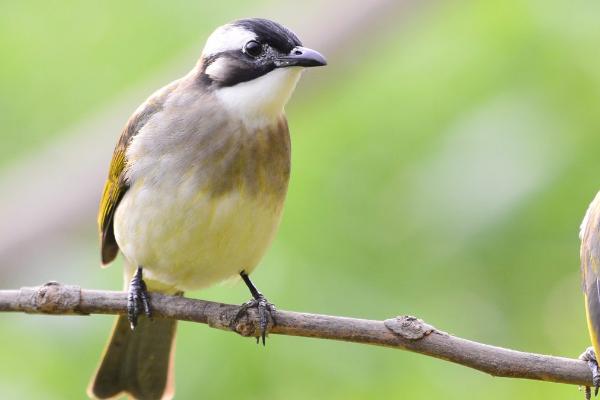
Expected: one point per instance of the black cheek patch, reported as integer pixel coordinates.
(241, 72)
(240, 68)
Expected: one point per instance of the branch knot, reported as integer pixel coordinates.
(50, 298)
(409, 327)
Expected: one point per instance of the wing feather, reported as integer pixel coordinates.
(590, 267)
(116, 184)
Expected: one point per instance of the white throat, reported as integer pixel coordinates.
(260, 101)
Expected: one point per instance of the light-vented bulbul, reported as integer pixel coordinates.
(195, 191)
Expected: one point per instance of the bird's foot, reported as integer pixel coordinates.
(265, 310)
(137, 299)
(589, 356)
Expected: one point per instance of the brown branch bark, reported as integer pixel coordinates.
(403, 332)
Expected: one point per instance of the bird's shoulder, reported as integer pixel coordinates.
(116, 184)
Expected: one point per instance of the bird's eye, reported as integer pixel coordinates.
(253, 48)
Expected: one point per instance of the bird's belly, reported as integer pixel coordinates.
(188, 239)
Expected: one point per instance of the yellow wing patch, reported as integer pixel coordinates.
(116, 185)
(590, 268)
(590, 242)
(114, 189)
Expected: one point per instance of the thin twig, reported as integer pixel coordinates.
(404, 332)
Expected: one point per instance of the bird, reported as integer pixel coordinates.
(589, 233)
(195, 192)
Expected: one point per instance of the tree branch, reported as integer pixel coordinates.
(403, 332)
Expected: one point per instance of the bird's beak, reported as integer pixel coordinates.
(301, 57)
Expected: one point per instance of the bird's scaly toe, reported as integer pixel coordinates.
(589, 356)
(137, 296)
(265, 310)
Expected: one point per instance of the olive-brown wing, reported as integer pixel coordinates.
(590, 268)
(116, 184)
(114, 189)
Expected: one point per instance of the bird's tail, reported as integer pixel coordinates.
(138, 363)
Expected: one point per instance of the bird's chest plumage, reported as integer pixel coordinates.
(203, 206)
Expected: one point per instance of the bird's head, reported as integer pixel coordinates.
(253, 65)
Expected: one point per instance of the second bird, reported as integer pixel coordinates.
(196, 189)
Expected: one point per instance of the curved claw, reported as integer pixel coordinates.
(589, 356)
(137, 295)
(264, 309)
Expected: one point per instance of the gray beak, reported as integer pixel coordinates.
(301, 57)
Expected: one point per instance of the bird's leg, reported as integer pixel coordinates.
(264, 308)
(137, 296)
(589, 356)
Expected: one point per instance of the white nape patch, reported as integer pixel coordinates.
(227, 37)
(259, 101)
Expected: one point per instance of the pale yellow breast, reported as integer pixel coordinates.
(192, 244)
(196, 218)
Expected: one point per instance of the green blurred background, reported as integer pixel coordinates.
(442, 163)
